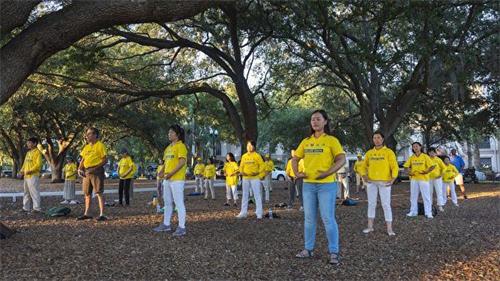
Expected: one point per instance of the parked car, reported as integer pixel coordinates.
(472, 175)
(278, 174)
(402, 175)
(6, 173)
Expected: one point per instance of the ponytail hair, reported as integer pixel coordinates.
(179, 131)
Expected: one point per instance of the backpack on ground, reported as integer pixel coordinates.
(58, 212)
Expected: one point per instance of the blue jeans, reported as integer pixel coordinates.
(324, 194)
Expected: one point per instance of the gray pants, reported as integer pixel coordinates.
(32, 194)
(295, 183)
(69, 190)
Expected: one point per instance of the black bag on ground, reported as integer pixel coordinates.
(421, 210)
(58, 211)
(5, 232)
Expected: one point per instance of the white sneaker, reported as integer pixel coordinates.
(301, 209)
(73, 202)
(241, 216)
(429, 217)
(441, 209)
(411, 215)
(65, 202)
(367, 230)
(456, 204)
(391, 233)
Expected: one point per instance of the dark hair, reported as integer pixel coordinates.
(231, 157)
(445, 157)
(95, 131)
(33, 140)
(378, 132)
(211, 160)
(179, 131)
(327, 126)
(432, 149)
(253, 143)
(419, 144)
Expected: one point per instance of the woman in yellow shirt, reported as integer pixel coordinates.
(251, 165)
(174, 175)
(323, 157)
(209, 175)
(449, 174)
(69, 170)
(436, 179)
(126, 173)
(231, 174)
(379, 170)
(419, 165)
(295, 183)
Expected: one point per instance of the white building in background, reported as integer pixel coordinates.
(489, 153)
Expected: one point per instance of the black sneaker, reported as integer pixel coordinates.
(84, 217)
(101, 218)
(226, 204)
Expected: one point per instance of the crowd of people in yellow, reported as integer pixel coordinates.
(312, 172)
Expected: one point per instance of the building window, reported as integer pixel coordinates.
(485, 163)
(485, 143)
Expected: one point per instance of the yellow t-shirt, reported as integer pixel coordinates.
(123, 166)
(32, 163)
(171, 157)
(319, 155)
(229, 169)
(93, 154)
(418, 164)
(268, 166)
(209, 172)
(358, 166)
(380, 165)
(289, 169)
(449, 173)
(251, 163)
(158, 170)
(438, 170)
(70, 171)
(199, 169)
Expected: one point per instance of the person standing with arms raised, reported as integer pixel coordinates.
(91, 168)
(379, 170)
(323, 156)
(174, 175)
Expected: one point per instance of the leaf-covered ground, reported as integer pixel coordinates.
(460, 244)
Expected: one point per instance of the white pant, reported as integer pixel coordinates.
(417, 186)
(231, 190)
(360, 181)
(454, 198)
(32, 194)
(379, 187)
(344, 186)
(266, 183)
(253, 184)
(199, 184)
(173, 192)
(437, 184)
(209, 184)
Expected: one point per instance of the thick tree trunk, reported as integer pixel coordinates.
(57, 31)
(469, 155)
(476, 156)
(56, 167)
